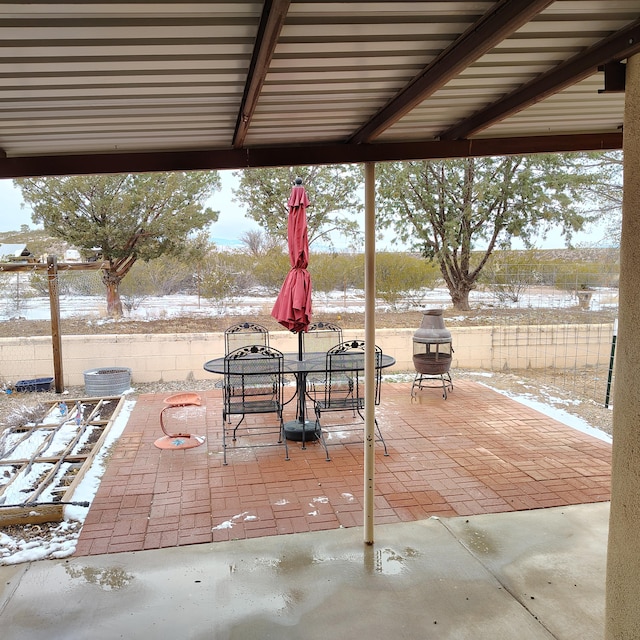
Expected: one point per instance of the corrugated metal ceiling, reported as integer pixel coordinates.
(88, 85)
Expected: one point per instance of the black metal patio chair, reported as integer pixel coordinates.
(253, 383)
(319, 338)
(343, 390)
(244, 334)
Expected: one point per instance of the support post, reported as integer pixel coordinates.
(622, 614)
(56, 338)
(369, 356)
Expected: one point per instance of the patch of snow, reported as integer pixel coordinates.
(23, 483)
(557, 414)
(228, 524)
(87, 489)
(158, 307)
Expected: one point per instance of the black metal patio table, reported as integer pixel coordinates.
(300, 429)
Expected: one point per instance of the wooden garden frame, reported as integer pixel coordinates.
(30, 511)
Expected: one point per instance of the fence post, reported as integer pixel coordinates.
(56, 338)
(611, 360)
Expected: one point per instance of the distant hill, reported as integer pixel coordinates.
(582, 254)
(38, 241)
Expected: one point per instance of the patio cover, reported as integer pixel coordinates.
(143, 86)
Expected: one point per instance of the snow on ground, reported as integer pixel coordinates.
(158, 307)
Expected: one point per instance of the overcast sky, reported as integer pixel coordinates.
(232, 222)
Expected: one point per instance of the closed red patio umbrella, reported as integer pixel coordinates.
(292, 308)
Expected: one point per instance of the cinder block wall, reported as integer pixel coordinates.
(181, 356)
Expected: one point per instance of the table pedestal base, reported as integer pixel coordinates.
(293, 430)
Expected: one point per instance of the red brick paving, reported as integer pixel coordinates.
(476, 452)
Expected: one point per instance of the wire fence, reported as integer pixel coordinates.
(565, 314)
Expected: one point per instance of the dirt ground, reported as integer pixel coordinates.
(18, 327)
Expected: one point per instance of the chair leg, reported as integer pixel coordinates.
(283, 437)
(236, 427)
(224, 443)
(321, 432)
(384, 444)
(324, 443)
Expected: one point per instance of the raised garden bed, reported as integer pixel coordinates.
(43, 461)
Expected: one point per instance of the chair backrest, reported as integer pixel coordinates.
(321, 336)
(244, 334)
(345, 375)
(253, 377)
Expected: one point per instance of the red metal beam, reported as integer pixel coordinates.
(498, 23)
(283, 156)
(273, 16)
(618, 46)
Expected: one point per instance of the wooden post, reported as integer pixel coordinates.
(56, 338)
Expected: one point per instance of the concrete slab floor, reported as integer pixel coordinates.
(534, 575)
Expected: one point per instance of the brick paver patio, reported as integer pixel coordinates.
(476, 452)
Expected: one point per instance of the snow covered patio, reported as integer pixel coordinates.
(478, 452)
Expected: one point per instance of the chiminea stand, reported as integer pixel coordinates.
(432, 371)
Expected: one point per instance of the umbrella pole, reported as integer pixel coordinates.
(301, 429)
(302, 384)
